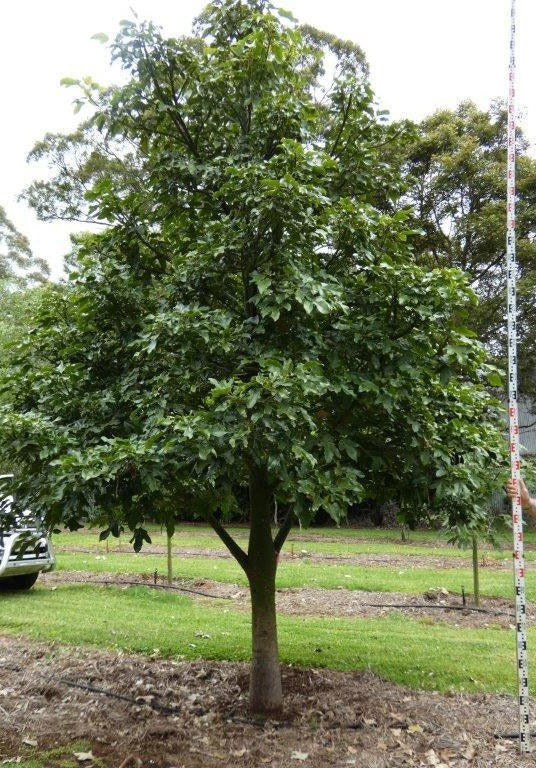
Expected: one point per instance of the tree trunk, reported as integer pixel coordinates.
(265, 690)
(169, 537)
(476, 582)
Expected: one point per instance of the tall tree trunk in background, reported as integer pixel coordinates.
(169, 537)
(265, 690)
(476, 580)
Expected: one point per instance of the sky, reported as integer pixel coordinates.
(423, 54)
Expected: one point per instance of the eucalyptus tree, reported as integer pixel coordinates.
(456, 169)
(18, 266)
(250, 323)
(21, 278)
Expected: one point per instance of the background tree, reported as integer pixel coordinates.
(18, 309)
(251, 323)
(18, 266)
(457, 177)
(21, 279)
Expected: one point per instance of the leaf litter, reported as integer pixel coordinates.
(331, 718)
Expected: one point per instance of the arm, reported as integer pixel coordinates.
(528, 504)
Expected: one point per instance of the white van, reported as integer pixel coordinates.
(25, 549)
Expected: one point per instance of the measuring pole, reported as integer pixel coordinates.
(513, 412)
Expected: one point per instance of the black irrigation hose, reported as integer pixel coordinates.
(169, 711)
(439, 607)
(102, 691)
(107, 582)
(226, 597)
(165, 586)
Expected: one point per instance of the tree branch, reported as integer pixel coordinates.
(343, 123)
(283, 531)
(176, 118)
(490, 266)
(234, 548)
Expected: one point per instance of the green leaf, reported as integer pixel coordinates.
(263, 283)
(445, 374)
(494, 379)
(69, 81)
(287, 15)
(100, 36)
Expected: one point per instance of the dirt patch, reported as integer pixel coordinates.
(331, 718)
(323, 602)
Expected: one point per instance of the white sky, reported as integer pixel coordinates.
(423, 55)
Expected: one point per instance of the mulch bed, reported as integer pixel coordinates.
(330, 719)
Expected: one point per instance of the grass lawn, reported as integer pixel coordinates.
(302, 573)
(351, 541)
(59, 757)
(407, 651)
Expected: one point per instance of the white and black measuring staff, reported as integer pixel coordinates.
(513, 413)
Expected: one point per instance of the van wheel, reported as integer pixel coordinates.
(24, 581)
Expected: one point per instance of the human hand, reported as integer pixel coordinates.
(511, 491)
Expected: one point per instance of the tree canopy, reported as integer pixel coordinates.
(250, 323)
(457, 170)
(18, 266)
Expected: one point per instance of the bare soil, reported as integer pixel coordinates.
(432, 607)
(331, 719)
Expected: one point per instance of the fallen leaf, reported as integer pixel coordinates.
(297, 755)
(415, 728)
(84, 757)
(469, 752)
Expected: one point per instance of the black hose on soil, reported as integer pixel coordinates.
(439, 607)
(102, 691)
(108, 582)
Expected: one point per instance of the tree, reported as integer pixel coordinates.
(469, 519)
(21, 278)
(457, 190)
(251, 323)
(18, 307)
(18, 266)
